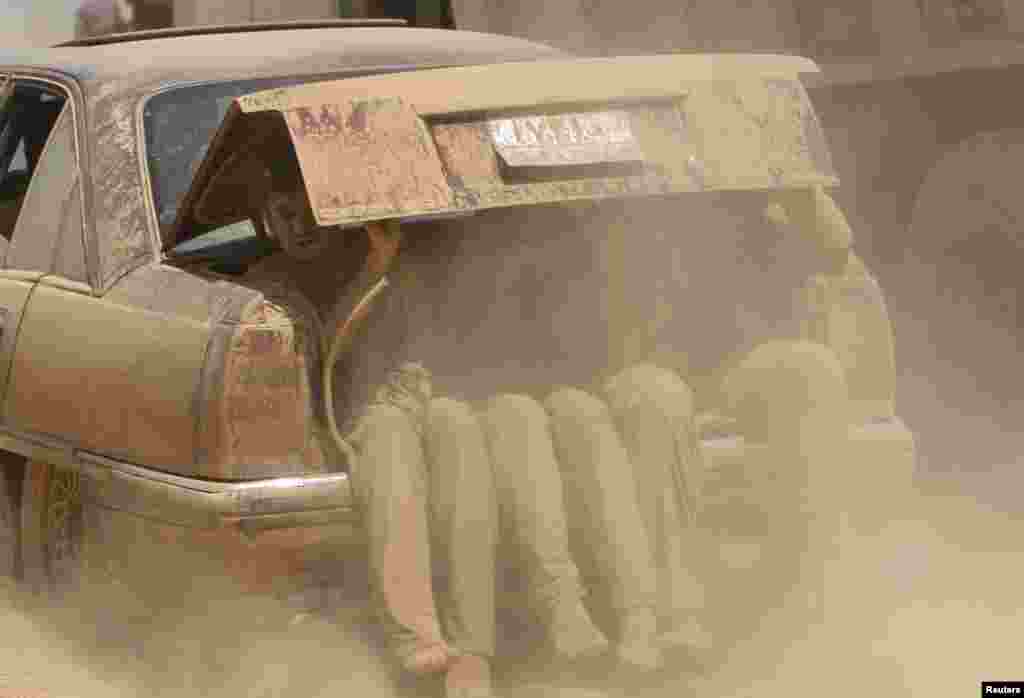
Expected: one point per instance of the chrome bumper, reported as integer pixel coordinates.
(288, 502)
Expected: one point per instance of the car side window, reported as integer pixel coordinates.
(8, 202)
(28, 112)
(20, 162)
(48, 233)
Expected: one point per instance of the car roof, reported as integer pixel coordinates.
(134, 66)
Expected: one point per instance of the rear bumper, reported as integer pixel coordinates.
(885, 449)
(287, 538)
(297, 537)
(253, 506)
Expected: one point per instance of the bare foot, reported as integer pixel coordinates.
(469, 676)
(426, 657)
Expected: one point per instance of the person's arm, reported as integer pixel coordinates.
(365, 349)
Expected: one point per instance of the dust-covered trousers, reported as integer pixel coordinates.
(596, 492)
(790, 402)
(580, 484)
(790, 399)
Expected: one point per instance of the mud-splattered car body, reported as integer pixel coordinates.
(158, 405)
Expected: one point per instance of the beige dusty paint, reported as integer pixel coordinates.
(511, 85)
(107, 377)
(259, 419)
(14, 293)
(381, 175)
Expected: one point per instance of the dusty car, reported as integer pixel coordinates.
(153, 400)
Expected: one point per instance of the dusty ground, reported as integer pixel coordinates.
(928, 606)
(932, 608)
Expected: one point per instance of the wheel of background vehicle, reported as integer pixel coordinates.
(11, 472)
(966, 249)
(51, 526)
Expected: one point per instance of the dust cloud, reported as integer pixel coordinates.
(924, 603)
(207, 640)
(928, 606)
(928, 603)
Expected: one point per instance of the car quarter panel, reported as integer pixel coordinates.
(226, 370)
(107, 377)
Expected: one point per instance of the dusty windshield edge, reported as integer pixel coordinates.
(172, 158)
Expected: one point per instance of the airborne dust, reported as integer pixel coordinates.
(926, 603)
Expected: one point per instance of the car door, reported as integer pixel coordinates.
(28, 112)
(46, 250)
(89, 372)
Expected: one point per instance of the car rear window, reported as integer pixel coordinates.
(179, 125)
(180, 122)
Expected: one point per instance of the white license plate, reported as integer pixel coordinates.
(565, 139)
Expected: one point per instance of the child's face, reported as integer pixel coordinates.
(290, 223)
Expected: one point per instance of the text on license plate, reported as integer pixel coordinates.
(565, 139)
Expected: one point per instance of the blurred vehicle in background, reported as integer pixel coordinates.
(98, 17)
(418, 13)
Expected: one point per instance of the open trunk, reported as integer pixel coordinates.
(568, 219)
(576, 216)
(685, 152)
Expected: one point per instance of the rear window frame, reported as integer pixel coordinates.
(163, 232)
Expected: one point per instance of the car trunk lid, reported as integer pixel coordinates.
(455, 140)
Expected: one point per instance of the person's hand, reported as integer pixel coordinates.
(385, 238)
(409, 387)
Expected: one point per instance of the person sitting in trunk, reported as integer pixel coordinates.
(738, 338)
(746, 334)
(435, 454)
(439, 448)
(390, 475)
(565, 491)
(422, 472)
(612, 463)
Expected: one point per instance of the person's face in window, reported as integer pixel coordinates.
(289, 222)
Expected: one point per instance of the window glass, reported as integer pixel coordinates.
(49, 197)
(27, 115)
(20, 162)
(179, 124)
